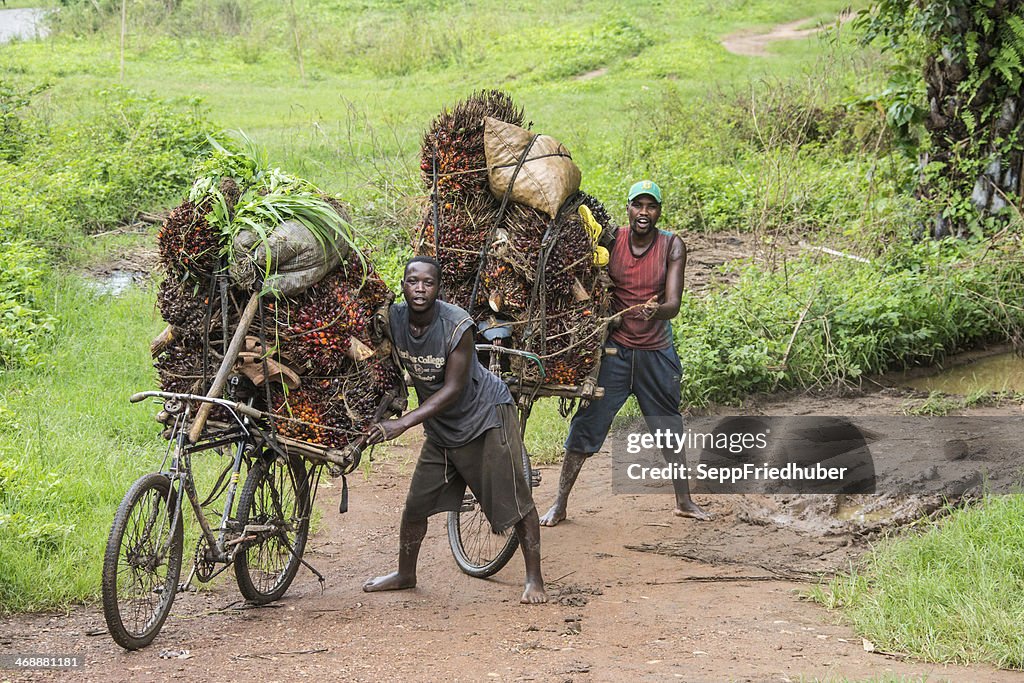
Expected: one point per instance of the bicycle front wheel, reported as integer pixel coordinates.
(273, 513)
(142, 563)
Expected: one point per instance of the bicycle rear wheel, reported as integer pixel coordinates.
(142, 563)
(478, 551)
(274, 510)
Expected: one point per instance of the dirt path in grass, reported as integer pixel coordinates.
(750, 44)
(636, 595)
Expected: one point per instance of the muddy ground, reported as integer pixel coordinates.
(636, 594)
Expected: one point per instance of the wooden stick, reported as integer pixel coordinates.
(217, 388)
(566, 390)
(833, 252)
(157, 346)
(792, 337)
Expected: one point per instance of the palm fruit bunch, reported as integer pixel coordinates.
(328, 335)
(333, 411)
(320, 328)
(454, 143)
(188, 245)
(537, 273)
(325, 342)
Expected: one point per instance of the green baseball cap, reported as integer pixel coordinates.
(644, 187)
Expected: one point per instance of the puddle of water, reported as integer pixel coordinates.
(116, 282)
(861, 514)
(1004, 372)
(21, 24)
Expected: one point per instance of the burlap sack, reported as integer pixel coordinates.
(297, 259)
(548, 176)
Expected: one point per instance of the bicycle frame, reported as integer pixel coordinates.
(244, 438)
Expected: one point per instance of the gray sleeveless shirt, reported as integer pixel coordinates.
(426, 356)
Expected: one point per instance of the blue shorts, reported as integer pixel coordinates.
(652, 376)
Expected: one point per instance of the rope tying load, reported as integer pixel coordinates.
(507, 262)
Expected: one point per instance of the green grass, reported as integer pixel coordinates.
(353, 105)
(953, 593)
(71, 444)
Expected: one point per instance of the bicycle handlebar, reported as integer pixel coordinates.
(515, 352)
(233, 405)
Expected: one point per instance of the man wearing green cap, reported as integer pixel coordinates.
(646, 269)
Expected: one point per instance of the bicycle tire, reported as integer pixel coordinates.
(142, 560)
(277, 495)
(478, 551)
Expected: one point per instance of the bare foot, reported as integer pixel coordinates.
(553, 516)
(389, 582)
(693, 511)
(534, 594)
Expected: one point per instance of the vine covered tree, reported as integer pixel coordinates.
(966, 57)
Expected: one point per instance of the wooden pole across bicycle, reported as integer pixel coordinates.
(230, 356)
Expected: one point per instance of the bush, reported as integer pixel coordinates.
(820, 323)
(23, 327)
(87, 175)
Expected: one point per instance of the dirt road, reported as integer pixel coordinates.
(617, 612)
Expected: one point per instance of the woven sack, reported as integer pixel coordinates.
(548, 176)
(298, 260)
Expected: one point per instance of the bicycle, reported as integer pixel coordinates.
(264, 540)
(478, 550)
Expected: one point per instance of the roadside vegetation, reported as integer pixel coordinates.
(952, 591)
(812, 147)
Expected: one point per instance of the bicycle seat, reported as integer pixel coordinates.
(492, 329)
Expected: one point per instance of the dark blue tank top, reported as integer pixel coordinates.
(426, 356)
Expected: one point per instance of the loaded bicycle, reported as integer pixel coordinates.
(263, 535)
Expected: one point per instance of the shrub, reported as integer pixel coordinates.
(23, 327)
(818, 323)
(86, 175)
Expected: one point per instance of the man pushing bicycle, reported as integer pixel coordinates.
(472, 430)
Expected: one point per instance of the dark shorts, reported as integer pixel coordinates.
(652, 376)
(491, 465)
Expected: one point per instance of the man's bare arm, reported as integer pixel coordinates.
(668, 304)
(456, 376)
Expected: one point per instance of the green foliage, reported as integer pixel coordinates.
(266, 198)
(781, 156)
(813, 323)
(954, 593)
(64, 462)
(970, 55)
(24, 329)
(14, 137)
(93, 172)
(577, 52)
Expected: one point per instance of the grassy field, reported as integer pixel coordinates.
(377, 72)
(952, 593)
(632, 89)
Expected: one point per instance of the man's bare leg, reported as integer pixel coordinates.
(528, 531)
(571, 466)
(409, 540)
